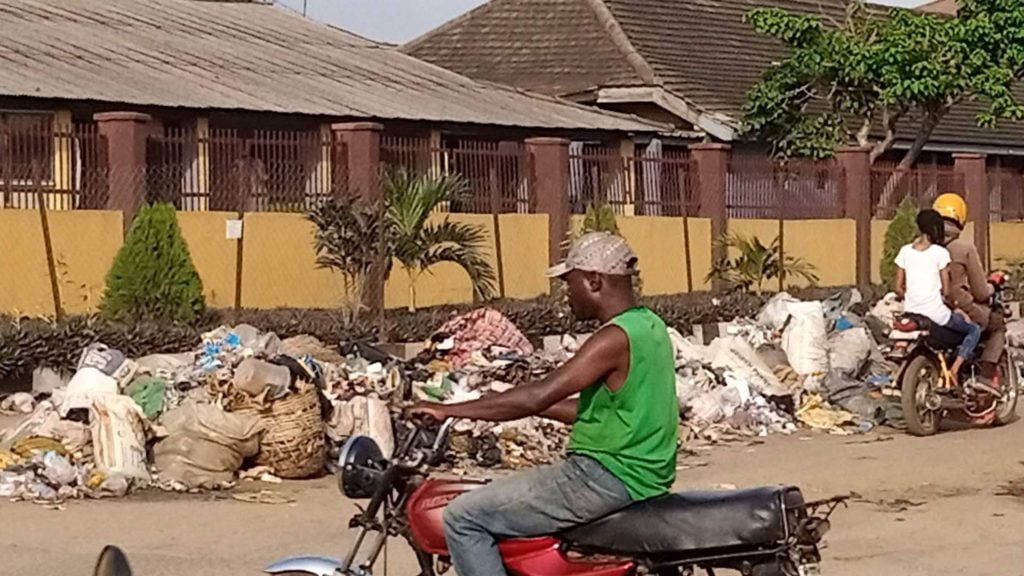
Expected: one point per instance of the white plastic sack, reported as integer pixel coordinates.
(805, 339)
(887, 308)
(737, 356)
(679, 346)
(717, 405)
(88, 385)
(849, 350)
(371, 418)
(119, 437)
(205, 446)
(776, 311)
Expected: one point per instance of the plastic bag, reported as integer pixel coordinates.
(804, 339)
(205, 446)
(102, 358)
(87, 385)
(148, 393)
(849, 350)
(887, 308)
(776, 311)
(254, 376)
(119, 437)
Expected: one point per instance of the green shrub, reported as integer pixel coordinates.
(600, 218)
(153, 278)
(901, 231)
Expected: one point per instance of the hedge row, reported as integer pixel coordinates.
(29, 343)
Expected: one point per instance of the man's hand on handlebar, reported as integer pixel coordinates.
(427, 410)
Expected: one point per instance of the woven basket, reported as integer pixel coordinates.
(293, 442)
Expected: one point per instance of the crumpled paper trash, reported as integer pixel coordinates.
(18, 403)
(817, 415)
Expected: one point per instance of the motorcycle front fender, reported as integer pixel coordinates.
(314, 565)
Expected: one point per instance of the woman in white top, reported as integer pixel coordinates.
(922, 278)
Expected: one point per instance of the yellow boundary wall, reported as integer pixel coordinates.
(829, 245)
(279, 265)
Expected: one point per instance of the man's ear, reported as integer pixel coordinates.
(594, 281)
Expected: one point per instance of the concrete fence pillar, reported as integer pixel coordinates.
(363, 176)
(126, 134)
(549, 159)
(855, 162)
(712, 166)
(362, 156)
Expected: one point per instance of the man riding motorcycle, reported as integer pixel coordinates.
(970, 289)
(625, 421)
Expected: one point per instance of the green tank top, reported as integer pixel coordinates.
(633, 431)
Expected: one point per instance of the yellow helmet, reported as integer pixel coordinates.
(951, 207)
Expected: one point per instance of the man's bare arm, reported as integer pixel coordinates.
(600, 355)
(564, 411)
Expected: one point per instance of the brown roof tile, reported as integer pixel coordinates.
(700, 50)
(551, 46)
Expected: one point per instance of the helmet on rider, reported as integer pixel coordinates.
(952, 207)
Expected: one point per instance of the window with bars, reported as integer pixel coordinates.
(26, 148)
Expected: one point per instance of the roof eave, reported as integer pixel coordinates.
(718, 126)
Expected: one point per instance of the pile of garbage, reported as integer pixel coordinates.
(815, 364)
(244, 403)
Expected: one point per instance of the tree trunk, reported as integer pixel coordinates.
(890, 191)
(412, 290)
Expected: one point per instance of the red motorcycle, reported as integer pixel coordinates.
(767, 531)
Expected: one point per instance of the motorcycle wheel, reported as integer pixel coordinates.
(919, 379)
(1006, 410)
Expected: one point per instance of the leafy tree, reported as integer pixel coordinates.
(153, 277)
(878, 76)
(352, 235)
(901, 231)
(754, 264)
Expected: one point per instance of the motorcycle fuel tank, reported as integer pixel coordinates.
(524, 557)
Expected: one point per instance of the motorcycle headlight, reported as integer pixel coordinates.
(361, 467)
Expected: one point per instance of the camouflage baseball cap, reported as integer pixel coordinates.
(600, 252)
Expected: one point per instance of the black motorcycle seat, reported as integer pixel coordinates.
(694, 521)
(939, 337)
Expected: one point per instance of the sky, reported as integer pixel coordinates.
(398, 21)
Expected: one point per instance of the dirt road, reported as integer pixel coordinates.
(926, 507)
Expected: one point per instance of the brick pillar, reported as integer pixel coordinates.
(971, 167)
(712, 165)
(126, 134)
(855, 162)
(550, 161)
(362, 158)
(362, 146)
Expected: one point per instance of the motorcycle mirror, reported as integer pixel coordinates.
(112, 562)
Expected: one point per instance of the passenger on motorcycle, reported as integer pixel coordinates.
(970, 289)
(922, 278)
(625, 422)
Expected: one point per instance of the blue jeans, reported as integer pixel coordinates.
(970, 331)
(539, 502)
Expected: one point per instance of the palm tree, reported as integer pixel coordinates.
(420, 244)
(754, 264)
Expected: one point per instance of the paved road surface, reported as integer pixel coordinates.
(928, 507)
